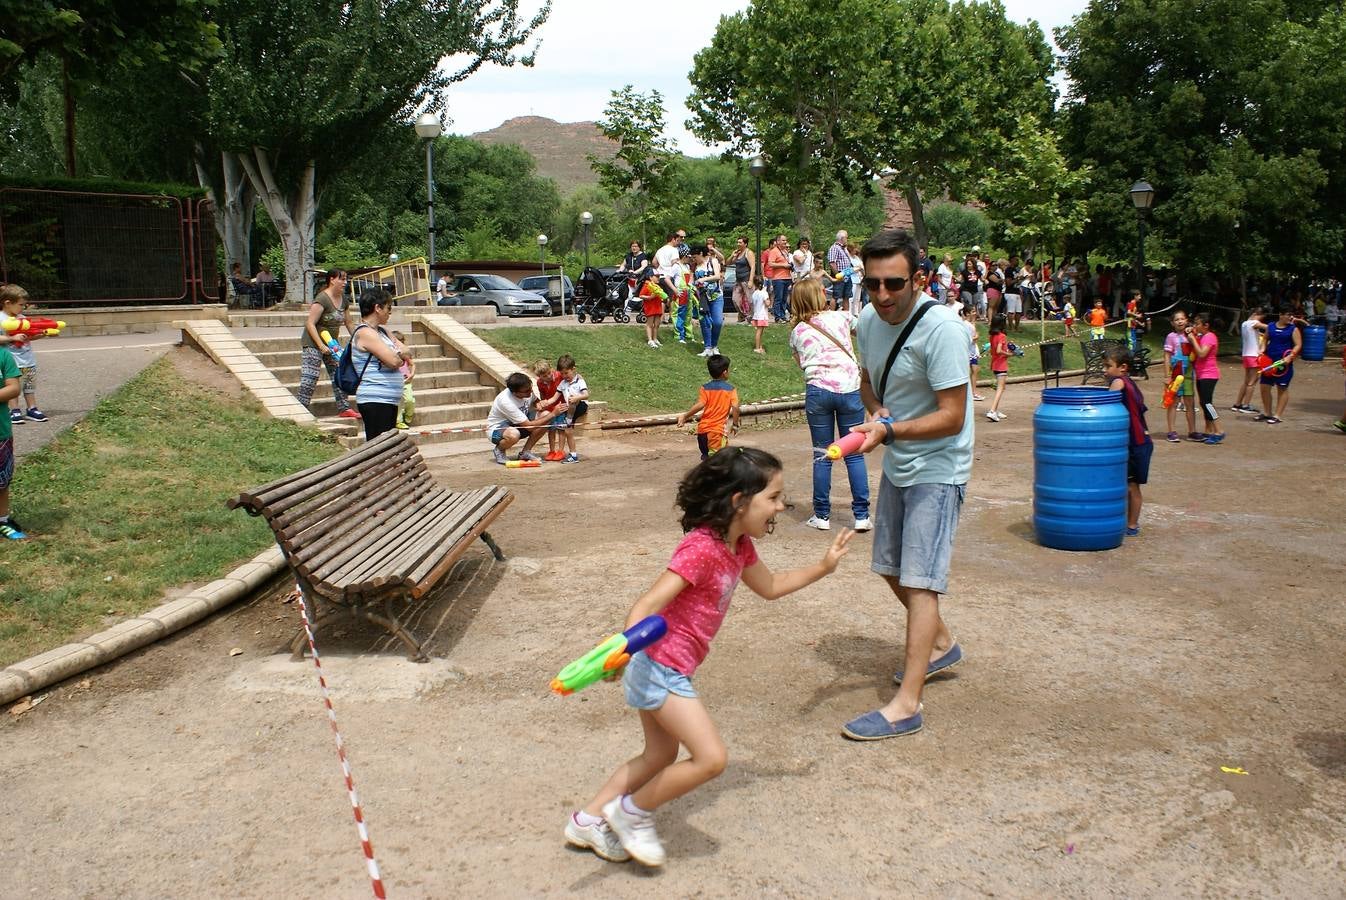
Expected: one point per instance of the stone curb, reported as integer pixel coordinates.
(45, 669)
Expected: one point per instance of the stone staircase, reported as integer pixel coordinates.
(451, 392)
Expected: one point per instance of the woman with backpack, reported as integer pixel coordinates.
(377, 362)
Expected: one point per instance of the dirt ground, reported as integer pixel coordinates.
(1081, 749)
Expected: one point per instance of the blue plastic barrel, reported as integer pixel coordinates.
(1315, 343)
(1079, 468)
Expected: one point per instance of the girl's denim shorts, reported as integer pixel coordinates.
(648, 683)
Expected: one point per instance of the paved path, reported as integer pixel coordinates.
(74, 373)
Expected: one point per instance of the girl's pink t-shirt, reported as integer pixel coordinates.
(712, 573)
(1207, 366)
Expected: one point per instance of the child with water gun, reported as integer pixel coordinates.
(18, 333)
(727, 502)
(1178, 361)
(1000, 355)
(406, 407)
(9, 389)
(1140, 447)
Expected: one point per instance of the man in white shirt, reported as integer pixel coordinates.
(512, 417)
(442, 288)
(666, 264)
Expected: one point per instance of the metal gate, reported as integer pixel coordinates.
(78, 248)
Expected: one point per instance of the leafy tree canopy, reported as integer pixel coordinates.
(1231, 110)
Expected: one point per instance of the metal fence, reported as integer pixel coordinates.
(75, 248)
(408, 281)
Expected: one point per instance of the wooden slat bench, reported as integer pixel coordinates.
(371, 529)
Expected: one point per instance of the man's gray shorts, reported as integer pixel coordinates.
(913, 533)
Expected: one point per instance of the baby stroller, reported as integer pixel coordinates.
(597, 297)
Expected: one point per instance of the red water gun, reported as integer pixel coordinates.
(32, 327)
(1275, 369)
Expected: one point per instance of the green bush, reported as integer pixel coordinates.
(955, 225)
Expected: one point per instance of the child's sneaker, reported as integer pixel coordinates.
(10, 531)
(499, 456)
(1173, 437)
(16, 417)
(636, 833)
(554, 456)
(978, 397)
(36, 414)
(864, 524)
(402, 426)
(597, 837)
(819, 523)
(571, 458)
(348, 414)
(1196, 436)
(1133, 532)
(1340, 426)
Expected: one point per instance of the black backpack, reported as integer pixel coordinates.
(346, 378)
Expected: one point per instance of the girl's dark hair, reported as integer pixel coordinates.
(373, 297)
(706, 494)
(998, 323)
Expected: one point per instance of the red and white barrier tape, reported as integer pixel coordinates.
(370, 862)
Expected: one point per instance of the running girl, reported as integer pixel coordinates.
(1000, 354)
(727, 501)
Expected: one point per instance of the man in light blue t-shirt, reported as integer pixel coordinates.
(927, 459)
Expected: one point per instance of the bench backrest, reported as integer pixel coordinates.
(316, 506)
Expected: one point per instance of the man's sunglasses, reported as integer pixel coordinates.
(892, 284)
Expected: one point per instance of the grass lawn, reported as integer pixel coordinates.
(131, 501)
(634, 379)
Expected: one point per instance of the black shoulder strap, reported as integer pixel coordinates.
(368, 356)
(897, 347)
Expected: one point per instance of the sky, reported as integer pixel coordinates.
(586, 53)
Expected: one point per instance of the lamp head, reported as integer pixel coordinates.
(587, 217)
(1142, 195)
(428, 126)
(757, 167)
(542, 240)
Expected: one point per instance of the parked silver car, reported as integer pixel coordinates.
(505, 296)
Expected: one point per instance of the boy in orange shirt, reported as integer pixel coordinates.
(1098, 317)
(717, 402)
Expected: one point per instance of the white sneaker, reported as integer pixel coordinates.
(636, 834)
(714, 351)
(657, 345)
(598, 838)
(706, 352)
(819, 523)
(682, 340)
(993, 416)
(864, 524)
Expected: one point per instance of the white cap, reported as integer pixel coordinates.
(976, 248)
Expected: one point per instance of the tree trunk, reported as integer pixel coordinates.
(69, 119)
(913, 198)
(233, 215)
(801, 217)
(293, 215)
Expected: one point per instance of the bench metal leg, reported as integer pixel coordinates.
(495, 548)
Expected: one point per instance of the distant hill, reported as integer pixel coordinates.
(560, 148)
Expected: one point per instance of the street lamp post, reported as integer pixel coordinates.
(542, 252)
(428, 127)
(1142, 197)
(756, 168)
(586, 219)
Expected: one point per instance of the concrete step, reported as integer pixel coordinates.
(286, 359)
(416, 340)
(434, 365)
(438, 399)
(426, 416)
(427, 381)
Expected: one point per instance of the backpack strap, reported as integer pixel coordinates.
(368, 356)
(897, 346)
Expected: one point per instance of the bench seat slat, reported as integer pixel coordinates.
(327, 554)
(394, 550)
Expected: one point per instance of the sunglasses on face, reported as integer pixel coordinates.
(892, 284)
